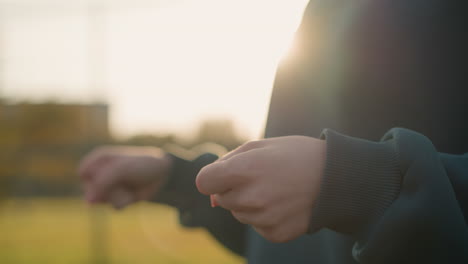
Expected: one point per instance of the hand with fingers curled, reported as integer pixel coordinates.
(270, 184)
(123, 175)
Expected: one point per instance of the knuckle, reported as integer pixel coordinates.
(247, 166)
(251, 145)
(239, 168)
(227, 168)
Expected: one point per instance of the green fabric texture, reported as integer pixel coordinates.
(395, 197)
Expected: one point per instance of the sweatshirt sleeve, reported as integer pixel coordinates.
(400, 199)
(194, 208)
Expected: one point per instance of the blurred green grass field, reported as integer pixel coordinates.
(49, 231)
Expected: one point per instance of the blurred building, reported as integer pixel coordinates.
(41, 144)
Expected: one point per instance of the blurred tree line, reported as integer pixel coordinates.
(41, 144)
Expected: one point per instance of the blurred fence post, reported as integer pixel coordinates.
(99, 236)
(96, 27)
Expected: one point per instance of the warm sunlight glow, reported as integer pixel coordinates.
(167, 64)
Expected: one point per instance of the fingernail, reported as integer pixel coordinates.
(213, 201)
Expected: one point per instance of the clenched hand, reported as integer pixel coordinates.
(270, 184)
(123, 175)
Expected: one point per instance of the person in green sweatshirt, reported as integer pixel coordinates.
(363, 159)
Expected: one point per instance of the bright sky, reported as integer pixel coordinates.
(165, 65)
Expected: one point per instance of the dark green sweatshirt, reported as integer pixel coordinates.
(359, 70)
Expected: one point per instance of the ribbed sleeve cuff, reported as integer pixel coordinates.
(361, 179)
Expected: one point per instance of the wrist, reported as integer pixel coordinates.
(167, 166)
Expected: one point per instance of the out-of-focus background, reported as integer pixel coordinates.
(75, 74)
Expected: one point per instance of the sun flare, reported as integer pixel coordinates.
(166, 65)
